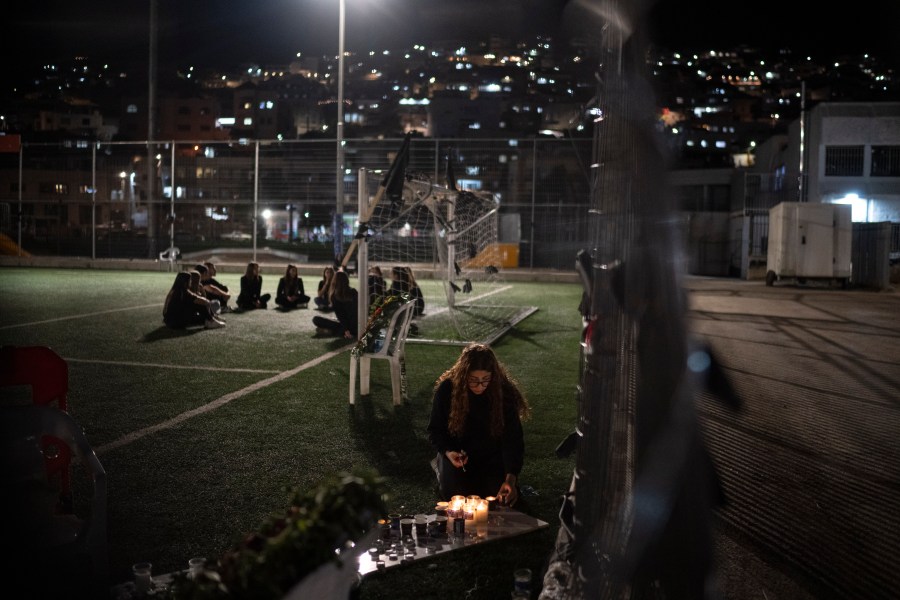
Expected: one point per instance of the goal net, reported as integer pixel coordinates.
(449, 239)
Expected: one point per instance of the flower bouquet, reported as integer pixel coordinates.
(379, 318)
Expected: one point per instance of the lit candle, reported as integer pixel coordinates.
(481, 512)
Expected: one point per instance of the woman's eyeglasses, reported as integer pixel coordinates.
(479, 382)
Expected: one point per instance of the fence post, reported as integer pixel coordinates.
(21, 185)
(93, 201)
(533, 198)
(255, 197)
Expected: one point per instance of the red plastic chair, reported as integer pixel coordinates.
(56, 555)
(48, 375)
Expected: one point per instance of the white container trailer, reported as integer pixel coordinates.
(809, 241)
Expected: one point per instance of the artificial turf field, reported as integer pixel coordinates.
(201, 432)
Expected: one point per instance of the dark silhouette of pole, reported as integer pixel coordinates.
(151, 134)
(339, 200)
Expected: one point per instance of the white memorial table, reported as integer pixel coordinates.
(396, 548)
(379, 550)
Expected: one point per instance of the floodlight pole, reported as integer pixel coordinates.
(339, 200)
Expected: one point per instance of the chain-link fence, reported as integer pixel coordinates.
(96, 200)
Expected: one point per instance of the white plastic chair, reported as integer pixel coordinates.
(393, 350)
(170, 255)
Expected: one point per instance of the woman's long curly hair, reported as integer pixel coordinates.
(502, 389)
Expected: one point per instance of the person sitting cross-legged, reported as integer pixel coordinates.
(211, 290)
(345, 300)
(184, 308)
(323, 295)
(251, 296)
(290, 292)
(219, 289)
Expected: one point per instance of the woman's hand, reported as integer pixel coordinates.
(457, 459)
(508, 493)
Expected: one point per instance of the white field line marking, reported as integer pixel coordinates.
(470, 300)
(94, 314)
(136, 435)
(162, 366)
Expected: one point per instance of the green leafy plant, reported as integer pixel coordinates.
(311, 532)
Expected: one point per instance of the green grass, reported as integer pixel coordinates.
(196, 487)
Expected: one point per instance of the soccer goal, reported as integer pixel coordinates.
(449, 239)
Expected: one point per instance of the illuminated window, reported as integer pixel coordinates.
(132, 108)
(60, 189)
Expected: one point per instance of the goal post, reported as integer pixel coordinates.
(449, 239)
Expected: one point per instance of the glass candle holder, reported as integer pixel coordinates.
(441, 524)
(481, 511)
(384, 526)
(421, 523)
(459, 526)
(196, 566)
(143, 579)
(406, 526)
(522, 580)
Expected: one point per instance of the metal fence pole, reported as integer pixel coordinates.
(255, 197)
(533, 198)
(171, 218)
(21, 185)
(94, 201)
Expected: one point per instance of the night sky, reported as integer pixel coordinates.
(229, 32)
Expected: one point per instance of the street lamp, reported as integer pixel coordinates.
(339, 203)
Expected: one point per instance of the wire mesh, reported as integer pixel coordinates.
(92, 199)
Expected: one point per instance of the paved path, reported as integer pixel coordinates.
(811, 464)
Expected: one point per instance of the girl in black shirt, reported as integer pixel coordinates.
(251, 289)
(345, 301)
(290, 290)
(476, 427)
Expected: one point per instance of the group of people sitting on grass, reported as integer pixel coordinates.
(198, 298)
(336, 295)
(288, 295)
(475, 424)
